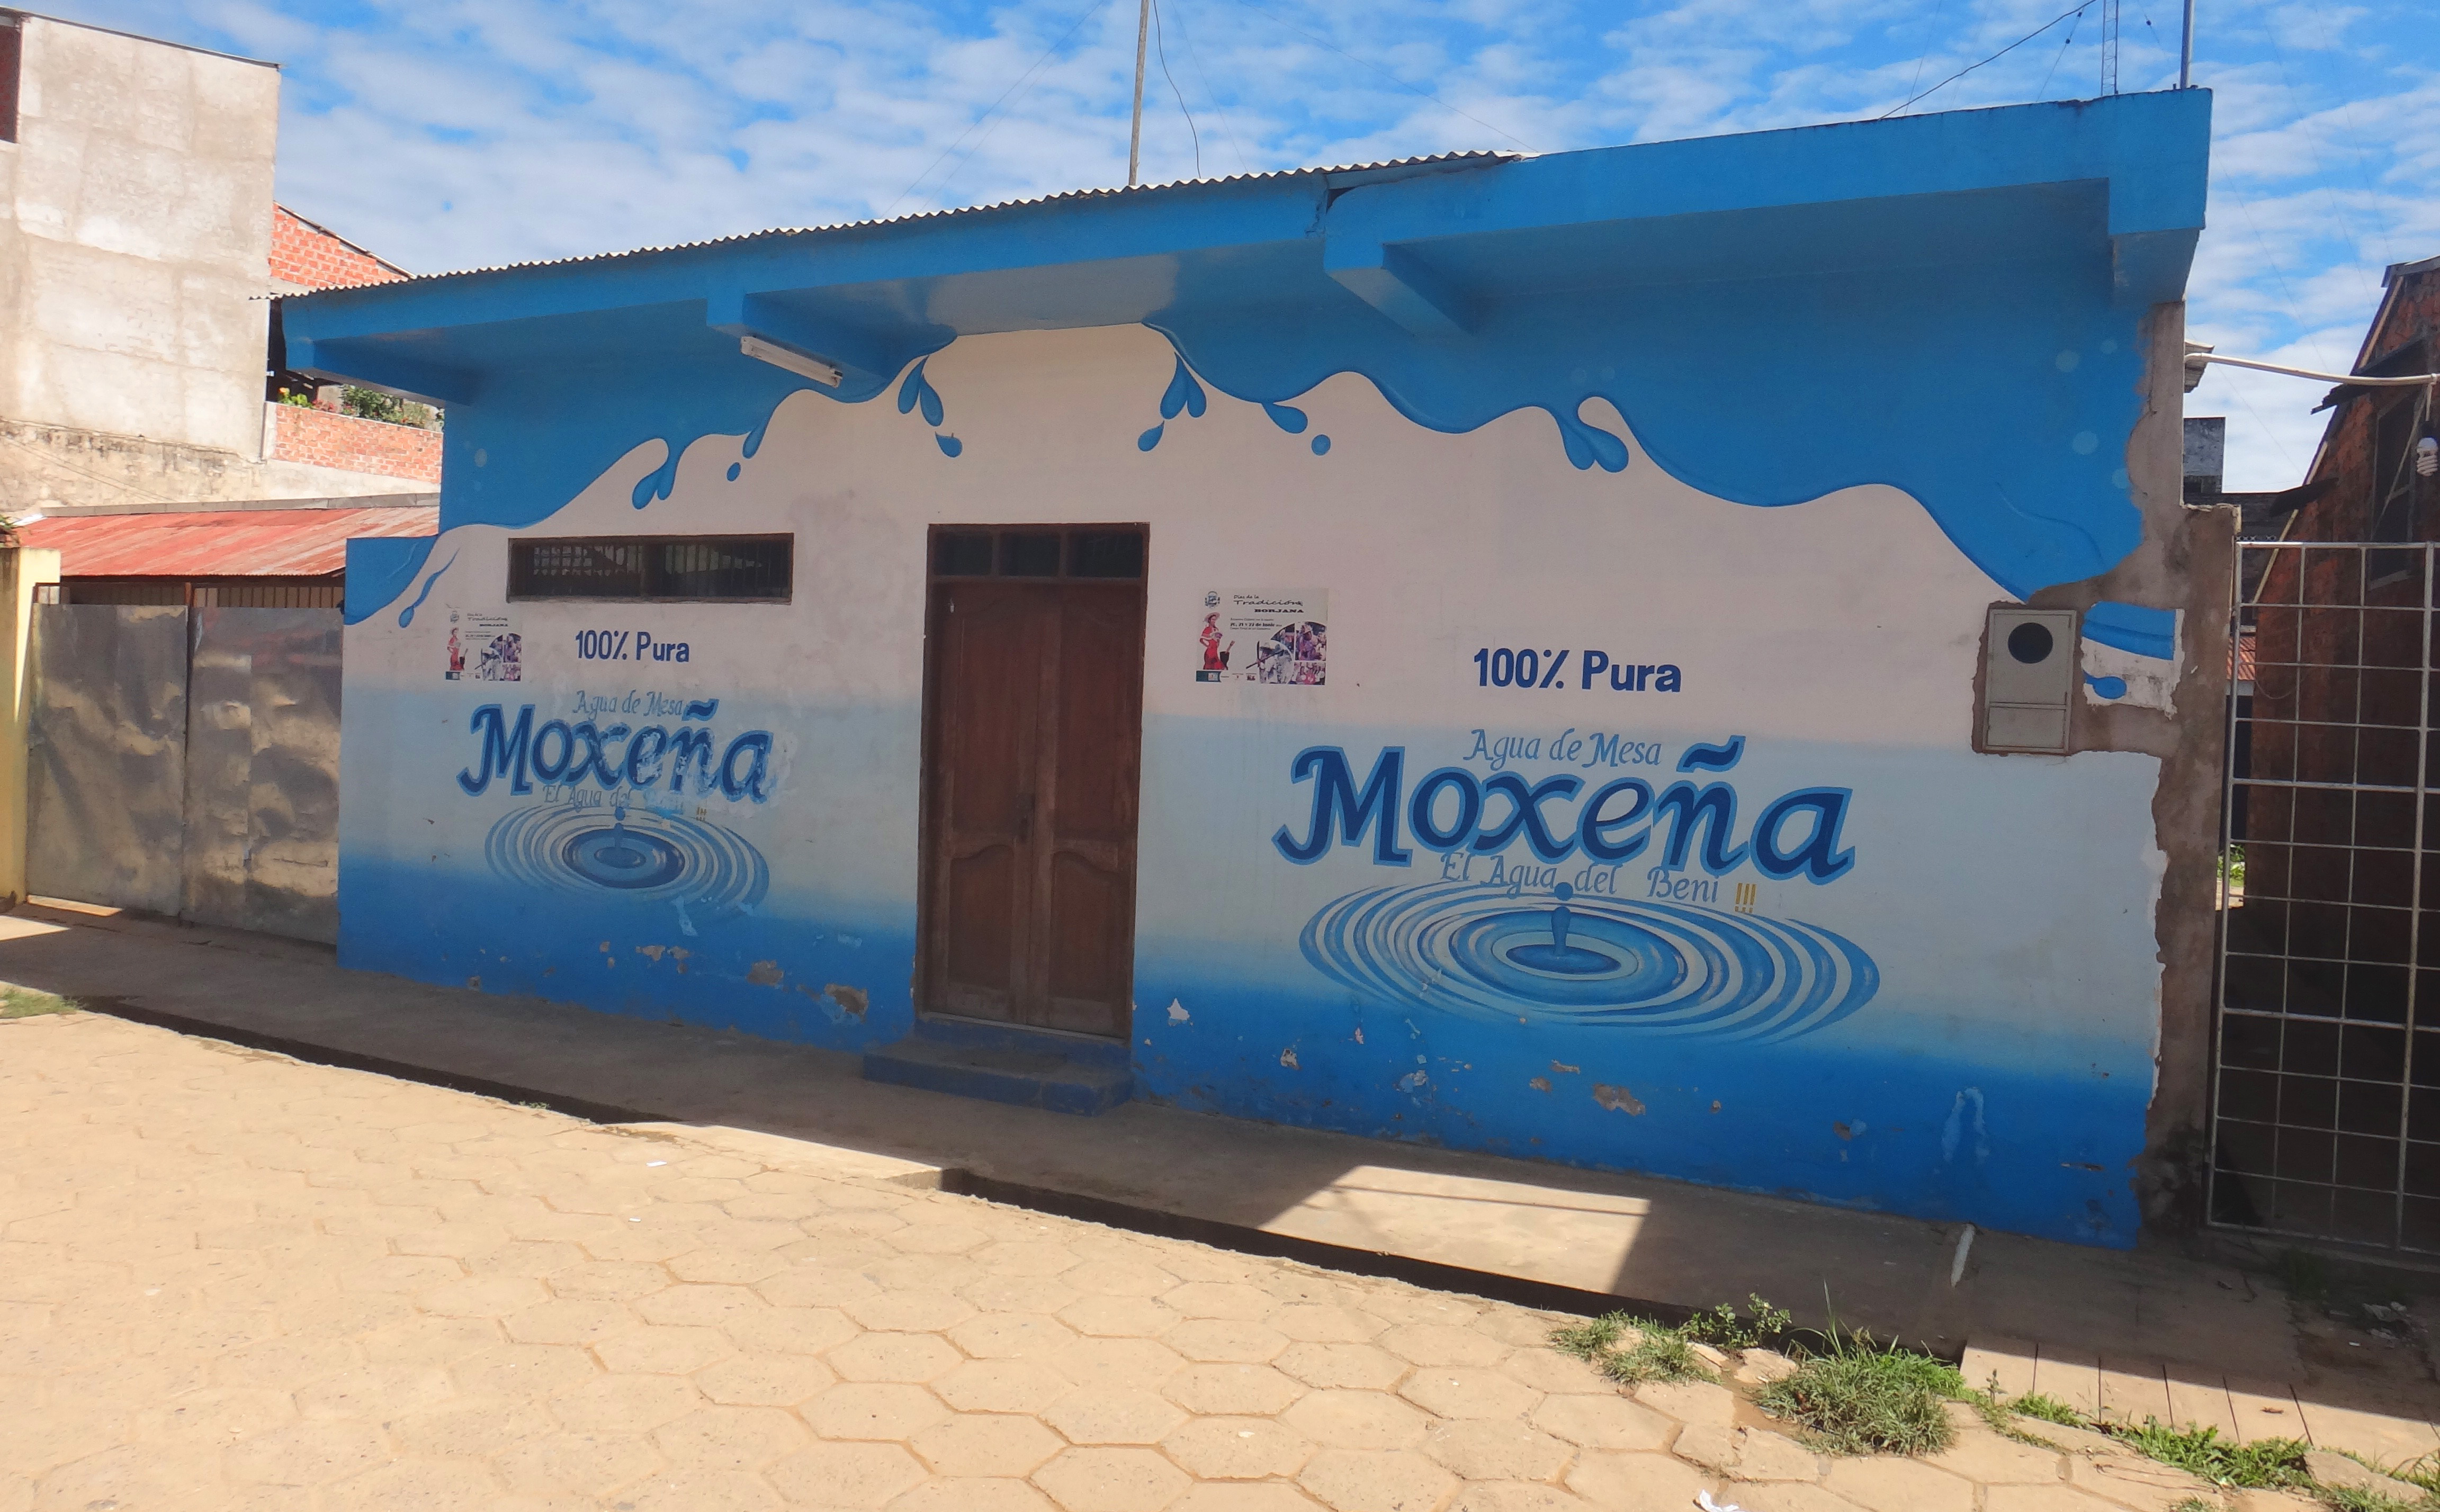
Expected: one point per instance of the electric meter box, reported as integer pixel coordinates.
(2028, 679)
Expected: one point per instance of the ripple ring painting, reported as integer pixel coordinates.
(707, 871)
(1599, 962)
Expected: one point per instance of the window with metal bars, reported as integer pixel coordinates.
(1109, 552)
(665, 569)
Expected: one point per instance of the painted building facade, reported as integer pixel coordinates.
(1478, 651)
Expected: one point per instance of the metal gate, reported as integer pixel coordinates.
(185, 763)
(2327, 1108)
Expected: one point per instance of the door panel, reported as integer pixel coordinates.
(1032, 772)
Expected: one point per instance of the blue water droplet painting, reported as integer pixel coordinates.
(734, 468)
(1321, 446)
(1286, 417)
(1148, 439)
(950, 445)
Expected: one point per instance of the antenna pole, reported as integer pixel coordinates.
(2109, 47)
(1134, 133)
(2186, 50)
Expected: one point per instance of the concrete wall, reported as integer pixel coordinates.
(134, 253)
(1938, 990)
(47, 465)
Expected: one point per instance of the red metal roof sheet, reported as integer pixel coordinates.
(218, 542)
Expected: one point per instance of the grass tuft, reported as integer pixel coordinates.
(1629, 1349)
(1864, 1398)
(2049, 1408)
(26, 1003)
(2271, 1464)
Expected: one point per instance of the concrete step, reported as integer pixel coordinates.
(1065, 1074)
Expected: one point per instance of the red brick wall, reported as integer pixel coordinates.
(302, 252)
(331, 441)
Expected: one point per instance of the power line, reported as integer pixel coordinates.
(1969, 67)
(2043, 93)
(1022, 80)
(1161, 44)
(1195, 57)
(1390, 77)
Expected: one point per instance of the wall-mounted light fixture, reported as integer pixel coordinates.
(804, 365)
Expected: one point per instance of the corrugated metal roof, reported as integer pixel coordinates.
(218, 542)
(941, 215)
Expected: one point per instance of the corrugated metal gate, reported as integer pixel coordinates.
(185, 763)
(2327, 1108)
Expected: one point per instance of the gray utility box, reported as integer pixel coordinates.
(2029, 661)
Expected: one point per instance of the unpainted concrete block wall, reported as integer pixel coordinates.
(137, 244)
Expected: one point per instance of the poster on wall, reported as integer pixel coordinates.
(483, 648)
(1264, 637)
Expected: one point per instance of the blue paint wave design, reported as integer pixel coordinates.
(1469, 948)
(710, 873)
(406, 616)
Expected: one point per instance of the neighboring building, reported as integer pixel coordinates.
(233, 557)
(1653, 658)
(135, 274)
(2329, 1108)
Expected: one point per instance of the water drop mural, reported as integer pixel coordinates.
(597, 850)
(1602, 962)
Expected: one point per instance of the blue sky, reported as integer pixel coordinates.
(449, 134)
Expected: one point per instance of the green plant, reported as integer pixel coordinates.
(1722, 1326)
(1629, 1349)
(1868, 1399)
(2191, 1504)
(2231, 868)
(2354, 1499)
(26, 1003)
(2303, 1276)
(2049, 1408)
(2271, 1463)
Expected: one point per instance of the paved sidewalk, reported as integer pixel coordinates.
(231, 1280)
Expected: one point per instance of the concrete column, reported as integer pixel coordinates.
(20, 570)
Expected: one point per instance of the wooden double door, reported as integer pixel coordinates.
(1032, 739)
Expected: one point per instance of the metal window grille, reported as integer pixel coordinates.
(1115, 552)
(748, 569)
(2326, 1097)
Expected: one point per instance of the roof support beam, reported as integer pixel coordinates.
(374, 366)
(1401, 285)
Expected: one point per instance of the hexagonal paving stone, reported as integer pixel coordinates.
(1256, 1389)
(1013, 1336)
(907, 1357)
(616, 1279)
(524, 1370)
(1000, 1386)
(1226, 1338)
(472, 1426)
(1111, 1480)
(626, 1404)
(1107, 1316)
(985, 1443)
(1603, 1422)
(1690, 1401)
(1018, 1293)
(814, 1286)
(482, 1296)
(911, 1311)
(846, 1475)
(1637, 1482)
(1375, 1481)
(1468, 1391)
(1118, 1278)
(1238, 1449)
(1441, 1343)
(873, 1410)
(1357, 1367)
(567, 1320)
(419, 1483)
(1222, 1496)
(733, 1267)
(973, 1494)
(1117, 1362)
(309, 1453)
(791, 1330)
(587, 1464)
(1218, 1299)
(1517, 1496)
(701, 1305)
(650, 1349)
(1113, 1414)
(687, 1490)
(1497, 1451)
(764, 1380)
(1357, 1419)
(1981, 1455)
(730, 1438)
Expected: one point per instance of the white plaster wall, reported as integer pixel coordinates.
(136, 252)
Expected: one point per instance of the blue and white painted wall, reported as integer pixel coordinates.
(1637, 823)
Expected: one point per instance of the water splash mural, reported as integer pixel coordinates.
(708, 872)
(1598, 961)
(406, 616)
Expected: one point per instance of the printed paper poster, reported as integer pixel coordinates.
(1280, 636)
(483, 648)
